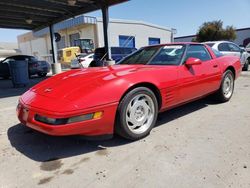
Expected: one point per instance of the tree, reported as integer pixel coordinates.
(213, 31)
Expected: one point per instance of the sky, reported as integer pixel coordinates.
(184, 15)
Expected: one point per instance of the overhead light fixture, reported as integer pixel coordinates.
(71, 2)
(29, 21)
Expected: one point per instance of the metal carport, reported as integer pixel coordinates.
(38, 14)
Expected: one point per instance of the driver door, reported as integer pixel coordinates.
(198, 80)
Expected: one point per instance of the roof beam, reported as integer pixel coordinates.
(15, 26)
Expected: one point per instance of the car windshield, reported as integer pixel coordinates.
(156, 55)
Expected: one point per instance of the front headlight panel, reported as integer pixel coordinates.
(63, 121)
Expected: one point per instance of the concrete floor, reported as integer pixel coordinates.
(202, 144)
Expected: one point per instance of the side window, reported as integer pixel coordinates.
(198, 51)
(8, 60)
(224, 47)
(217, 53)
(233, 48)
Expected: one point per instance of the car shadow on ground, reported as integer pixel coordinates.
(40, 147)
(7, 89)
(183, 110)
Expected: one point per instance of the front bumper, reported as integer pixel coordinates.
(94, 127)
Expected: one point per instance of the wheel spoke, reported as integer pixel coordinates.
(139, 113)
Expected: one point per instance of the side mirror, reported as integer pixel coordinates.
(192, 61)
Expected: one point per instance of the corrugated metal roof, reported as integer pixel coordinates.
(136, 22)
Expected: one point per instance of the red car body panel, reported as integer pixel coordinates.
(85, 91)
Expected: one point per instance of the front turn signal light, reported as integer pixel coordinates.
(97, 115)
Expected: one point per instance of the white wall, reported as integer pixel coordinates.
(25, 48)
(141, 32)
(36, 47)
(39, 47)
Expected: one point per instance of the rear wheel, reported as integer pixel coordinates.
(225, 92)
(137, 114)
(246, 65)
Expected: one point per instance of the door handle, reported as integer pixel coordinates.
(215, 66)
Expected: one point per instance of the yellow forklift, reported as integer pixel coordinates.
(81, 46)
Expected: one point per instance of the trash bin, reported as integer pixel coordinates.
(19, 73)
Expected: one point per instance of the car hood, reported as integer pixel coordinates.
(82, 88)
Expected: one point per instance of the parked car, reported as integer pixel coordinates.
(117, 53)
(248, 48)
(125, 98)
(83, 59)
(41, 68)
(230, 48)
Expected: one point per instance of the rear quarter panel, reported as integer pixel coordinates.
(230, 61)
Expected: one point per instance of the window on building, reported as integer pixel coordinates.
(153, 41)
(126, 41)
(61, 43)
(73, 37)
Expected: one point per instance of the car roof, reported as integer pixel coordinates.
(117, 47)
(217, 42)
(174, 43)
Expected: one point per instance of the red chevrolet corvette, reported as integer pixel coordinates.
(126, 98)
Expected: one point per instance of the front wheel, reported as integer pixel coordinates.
(225, 92)
(137, 114)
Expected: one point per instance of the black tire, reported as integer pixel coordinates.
(42, 74)
(121, 127)
(93, 64)
(220, 95)
(246, 66)
(6, 77)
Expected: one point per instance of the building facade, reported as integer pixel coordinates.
(242, 37)
(127, 33)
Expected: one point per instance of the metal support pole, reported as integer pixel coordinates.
(56, 67)
(105, 19)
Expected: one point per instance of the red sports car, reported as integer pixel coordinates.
(126, 98)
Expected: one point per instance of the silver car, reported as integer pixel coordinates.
(230, 48)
